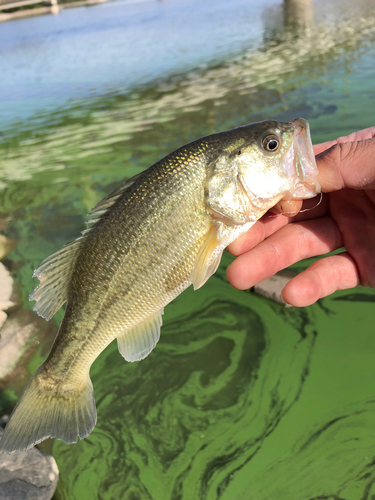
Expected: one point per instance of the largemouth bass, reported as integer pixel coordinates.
(155, 235)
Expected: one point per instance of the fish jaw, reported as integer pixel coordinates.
(299, 164)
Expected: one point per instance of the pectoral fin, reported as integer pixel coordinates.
(208, 259)
(137, 343)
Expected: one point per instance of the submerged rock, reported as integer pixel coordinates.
(28, 475)
(3, 317)
(272, 287)
(6, 291)
(20, 337)
(3, 420)
(6, 288)
(5, 245)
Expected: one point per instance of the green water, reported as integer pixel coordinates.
(241, 398)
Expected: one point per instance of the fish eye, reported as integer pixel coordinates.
(271, 143)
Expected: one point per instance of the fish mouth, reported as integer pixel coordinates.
(306, 183)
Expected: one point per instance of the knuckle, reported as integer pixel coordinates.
(347, 150)
(303, 245)
(341, 152)
(341, 160)
(275, 263)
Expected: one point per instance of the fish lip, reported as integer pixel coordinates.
(306, 185)
(302, 138)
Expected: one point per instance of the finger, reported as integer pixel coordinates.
(271, 222)
(263, 228)
(360, 135)
(274, 220)
(319, 148)
(350, 164)
(287, 246)
(367, 133)
(324, 277)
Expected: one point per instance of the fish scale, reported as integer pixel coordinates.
(145, 243)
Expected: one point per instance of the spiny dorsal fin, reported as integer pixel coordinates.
(106, 203)
(137, 343)
(55, 271)
(208, 259)
(111, 199)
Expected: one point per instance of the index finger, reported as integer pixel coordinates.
(360, 135)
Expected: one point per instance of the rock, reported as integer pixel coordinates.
(3, 420)
(5, 246)
(10, 295)
(15, 339)
(6, 288)
(20, 337)
(3, 317)
(271, 288)
(28, 475)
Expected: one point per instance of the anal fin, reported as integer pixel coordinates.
(137, 342)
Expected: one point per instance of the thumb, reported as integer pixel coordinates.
(347, 165)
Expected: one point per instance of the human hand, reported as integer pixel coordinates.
(344, 218)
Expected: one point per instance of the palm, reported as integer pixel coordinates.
(354, 213)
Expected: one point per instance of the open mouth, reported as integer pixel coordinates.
(304, 160)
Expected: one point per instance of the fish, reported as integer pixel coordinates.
(145, 243)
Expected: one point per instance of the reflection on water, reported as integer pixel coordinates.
(241, 398)
(116, 46)
(297, 14)
(267, 80)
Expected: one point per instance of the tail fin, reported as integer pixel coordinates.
(45, 411)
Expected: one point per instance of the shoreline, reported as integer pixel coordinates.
(50, 9)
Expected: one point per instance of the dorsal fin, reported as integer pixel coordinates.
(54, 275)
(109, 200)
(106, 203)
(55, 271)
